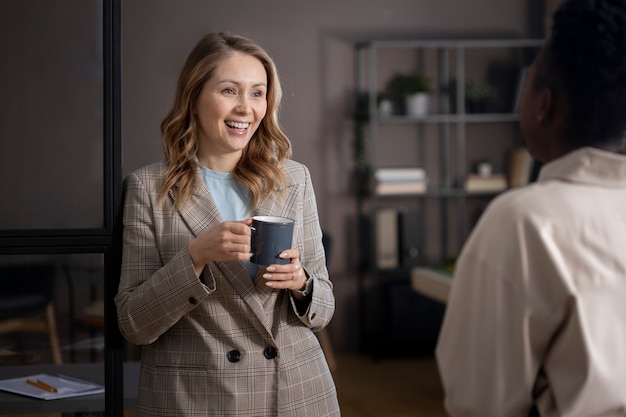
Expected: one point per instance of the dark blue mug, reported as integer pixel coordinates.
(270, 237)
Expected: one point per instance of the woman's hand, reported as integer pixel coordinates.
(290, 276)
(226, 241)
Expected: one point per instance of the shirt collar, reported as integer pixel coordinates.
(587, 166)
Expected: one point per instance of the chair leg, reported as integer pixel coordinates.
(53, 335)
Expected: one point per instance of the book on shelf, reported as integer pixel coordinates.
(401, 188)
(400, 174)
(432, 282)
(520, 167)
(410, 180)
(476, 183)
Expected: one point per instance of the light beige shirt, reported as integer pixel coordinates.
(537, 310)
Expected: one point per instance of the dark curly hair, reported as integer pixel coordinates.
(585, 60)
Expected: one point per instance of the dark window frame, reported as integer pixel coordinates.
(106, 240)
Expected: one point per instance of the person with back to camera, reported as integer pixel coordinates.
(536, 319)
(221, 336)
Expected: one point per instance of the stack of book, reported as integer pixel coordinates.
(476, 183)
(391, 181)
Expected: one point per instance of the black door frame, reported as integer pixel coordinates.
(106, 240)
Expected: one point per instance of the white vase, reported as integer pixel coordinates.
(385, 108)
(417, 105)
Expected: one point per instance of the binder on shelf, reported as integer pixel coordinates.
(409, 225)
(387, 238)
(520, 167)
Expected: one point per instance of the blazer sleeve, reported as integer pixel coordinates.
(152, 296)
(321, 303)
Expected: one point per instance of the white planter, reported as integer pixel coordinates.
(417, 105)
(385, 108)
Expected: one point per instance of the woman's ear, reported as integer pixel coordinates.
(546, 105)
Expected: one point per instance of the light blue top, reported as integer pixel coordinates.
(232, 200)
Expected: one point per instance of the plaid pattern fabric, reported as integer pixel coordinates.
(221, 345)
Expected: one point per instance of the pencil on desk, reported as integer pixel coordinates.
(42, 385)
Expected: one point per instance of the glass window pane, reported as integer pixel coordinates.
(52, 322)
(51, 114)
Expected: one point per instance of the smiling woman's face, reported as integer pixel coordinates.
(229, 110)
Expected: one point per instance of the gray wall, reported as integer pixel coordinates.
(311, 42)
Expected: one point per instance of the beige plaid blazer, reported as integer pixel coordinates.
(221, 345)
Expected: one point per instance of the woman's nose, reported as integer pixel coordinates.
(242, 105)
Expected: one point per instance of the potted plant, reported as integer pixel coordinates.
(478, 95)
(412, 90)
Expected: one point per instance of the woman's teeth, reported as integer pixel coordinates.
(237, 125)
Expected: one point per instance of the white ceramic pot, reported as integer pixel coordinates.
(385, 108)
(417, 105)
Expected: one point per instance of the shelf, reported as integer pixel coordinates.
(453, 118)
(444, 192)
(453, 44)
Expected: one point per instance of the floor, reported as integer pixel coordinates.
(380, 388)
(388, 387)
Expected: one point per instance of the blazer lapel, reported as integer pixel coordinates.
(201, 213)
(281, 207)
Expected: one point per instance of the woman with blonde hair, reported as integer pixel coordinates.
(220, 335)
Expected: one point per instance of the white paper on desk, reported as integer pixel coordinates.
(67, 387)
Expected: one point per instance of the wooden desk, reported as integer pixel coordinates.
(19, 404)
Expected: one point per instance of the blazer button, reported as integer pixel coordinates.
(192, 300)
(270, 352)
(233, 356)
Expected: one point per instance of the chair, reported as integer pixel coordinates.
(90, 316)
(26, 302)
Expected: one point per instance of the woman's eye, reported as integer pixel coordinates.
(229, 90)
(258, 93)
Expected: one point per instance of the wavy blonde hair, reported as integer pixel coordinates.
(259, 168)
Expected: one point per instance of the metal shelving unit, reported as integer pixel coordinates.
(445, 62)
